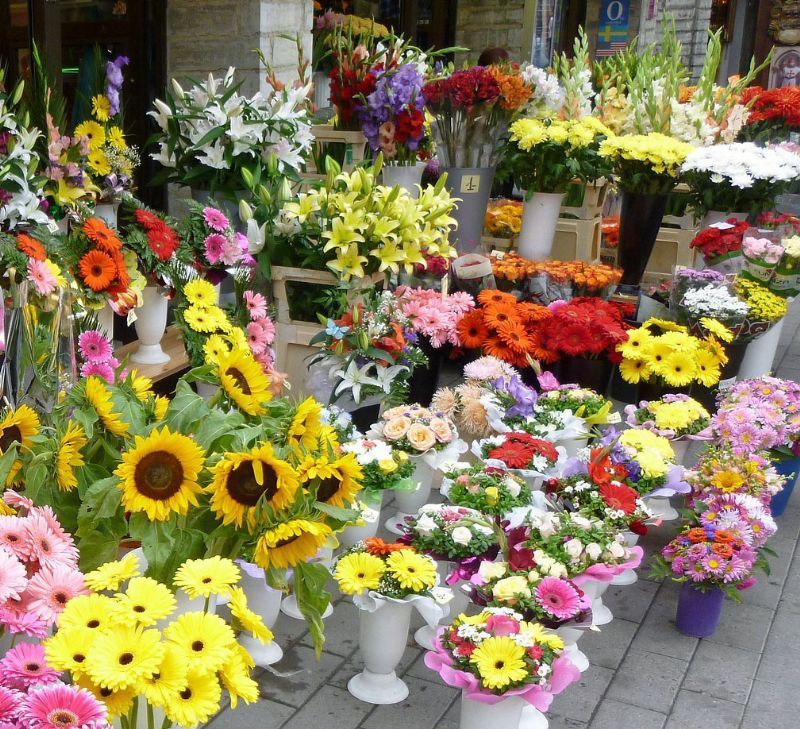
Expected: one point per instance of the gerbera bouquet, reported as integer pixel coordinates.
(125, 644)
(773, 113)
(742, 515)
(672, 417)
(664, 352)
(97, 357)
(504, 220)
(25, 257)
(497, 654)
(552, 601)
(383, 467)
(395, 571)
(519, 451)
(434, 315)
(154, 239)
(721, 244)
(594, 409)
(645, 163)
(709, 558)
(492, 491)
(451, 533)
(742, 177)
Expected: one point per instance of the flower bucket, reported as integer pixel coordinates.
(505, 714)
(107, 212)
(472, 185)
(409, 502)
(382, 637)
(661, 508)
(698, 612)
(425, 635)
(151, 323)
(105, 321)
(601, 615)
(759, 355)
(591, 373)
(539, 220)
(681, 448)
(640, 220)
(406, 177)
(424, 380)
(266, 602)
(352, 535)
(790, 468)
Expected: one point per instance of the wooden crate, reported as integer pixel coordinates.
(292, 351)
(574, 240)
(671, 249)
(355, 143)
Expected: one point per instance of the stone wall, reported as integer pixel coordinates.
(484, 24)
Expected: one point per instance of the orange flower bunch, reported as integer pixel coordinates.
(505, 328)
(512, 267)
(514, 92)
(586, 277)
(504, 218)
(610, 230)
(100, 266)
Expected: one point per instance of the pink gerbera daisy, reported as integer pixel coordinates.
(24, 666)
(214, 244)
(23, 621)
(63, 707)
(256, 337)
(269, 329)
(50, 518)
(42, 277)
(17, 500)
(14, 536)
(51, 588)
(13, 577)
(94, 347)
(558, 598)
(47, 545)
(256, 305)
(10, 703)
(231, 252)
(215, 219)
(100, 369)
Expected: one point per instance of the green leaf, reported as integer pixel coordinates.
(210, 136)
(102, 499)
(7, 462)
(186, 410)
(310, 579)
(96, 549)
(218, 427)
(336, 512)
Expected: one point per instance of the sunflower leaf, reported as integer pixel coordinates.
(310, 579)
(186, 410)
(102, 500)
(218, 429)
(7, 462)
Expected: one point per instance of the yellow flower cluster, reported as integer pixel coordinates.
(652, 452)
(360, 571)
(764, 305)
(674, 355)
(663, 154)
(677, 415)
(572, 133)
(792, 246)
(357, 25)
(504, 220)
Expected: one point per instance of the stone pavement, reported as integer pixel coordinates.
(644, 674)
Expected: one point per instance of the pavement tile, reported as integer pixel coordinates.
(341, 630)
(649, 680)
(426, 704)
(607, 647)
(617, 715)
(701, 711)
(330, 707)
(658, 633)
(743, 626)
(772, 706)
(722, 672)
(299, 675)
(779, 661)
(354, 665)
(262, 715)
(580, 700)
(631, 602)
(288, 630)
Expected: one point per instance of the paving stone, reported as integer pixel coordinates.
(288, 630)
(341, 630)
(614, 714)
(262, 715)
(701, 711)
(658, 633)
(772, 706)
(649, 680)
(778, 662)
(299, 675)
(426, 704)
(330, 706)
(580, 700)
(561, 722)
(607, 647)
(722, 672)
(631, 602)
(354, 664)
(743, 626)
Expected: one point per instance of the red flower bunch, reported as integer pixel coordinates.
(409, 124)
(163, 240)
(715, 242)
(463, 89)
(772, 220)
(519, 449)
(773, 105)
(619, 497)
(585, 327)
(350, 80)
(602, 470)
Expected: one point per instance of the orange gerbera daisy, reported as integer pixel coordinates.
(496, 347)
(377, 547)
(492, 296)
(514, 335)
(101, 235)
(498, 314)
(532, 313)
(538, 351)
(97, 269)
(472, 332)
(31, 247)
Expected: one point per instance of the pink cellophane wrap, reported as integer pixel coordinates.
(606, 573)
(563, 674)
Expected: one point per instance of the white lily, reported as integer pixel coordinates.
(354, 378)
(387, 375)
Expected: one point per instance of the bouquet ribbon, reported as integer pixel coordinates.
(606, 573)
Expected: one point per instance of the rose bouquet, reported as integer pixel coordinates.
(519, 451)
(672, 417)
(645, 163)
(433, 315)
(761, 257)
(492, 491)
(383, 466)
(416, 430)
(497, 654)
(451, 533)
(721, 244)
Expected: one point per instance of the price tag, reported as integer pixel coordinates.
(471, 183)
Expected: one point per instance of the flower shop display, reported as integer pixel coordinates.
(721, 245)
(647, 167)
(534, 459)
(591, 407)
(490, 490)
(386, 582)
(773, 114)
(679, 418)
(544, 157)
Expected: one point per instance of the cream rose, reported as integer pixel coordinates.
(421, 437)
(511, 588)
(441, 429)
(396, 428)
(492, 570)
(461, 535)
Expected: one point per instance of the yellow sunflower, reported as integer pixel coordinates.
(201, 293)
(240, 480)
(290, 543)
(99, 397)
(306, 424)
(204, 577)
(142, 386)
(69, 456)
(160, 407)
(244, 382)
(159, 474)
(341, 487)
(18, 426)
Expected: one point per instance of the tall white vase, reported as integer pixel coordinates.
(681, 448)
(151, 323)
(601, 615)
(408, 177)
(505, 714)
(425, 635)
(350, 536)
(105, 321)
(289, 606)
(382, 637)
(409, 502)
(539, 220)
(107, 212)
(760, 354)
(266, 602)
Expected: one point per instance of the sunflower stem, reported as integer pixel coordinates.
(166, 724)
(216, 398)
(151, 719)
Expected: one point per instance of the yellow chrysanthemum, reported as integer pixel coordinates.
(168, 680)
(290, 543)
(413, 571)
(94, 133)
(117, 703)
(306, 424)
(235, 677)
(69, 456)
(500, 662)
(68, 648)
(122, 657)
(204, 577)
(196, 702)
(158, 475)
(145, 602)
(204, 638)
(101, 107)
(246, 618)
(201, 293)
(244, 382)
(99, 397)
(112, 574)
(241, 480)
(359, 571)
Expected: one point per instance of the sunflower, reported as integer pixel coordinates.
(358, 572)
(196, 702)
(500, 662)
(94, 133)
(170, 677)
(498, 314)
(68, 648)
(198, 320)
(160, 407)
(111, 575)
(205, 577)
(145, 602)
(235, 677)
(99, 397)
(204, 638)
(489, 297)
(306, 423)
(122, 657)
(708, 370)
(635, 347)
(290, 543)
(201, 293)
(341, 487)
(246, 618)
(215, 348)
(18, 426)
(678, 369)
(97, 270)
(142, 386)
(244, 382)
(69, 456)
(240, 480)
(118, 703)
(92, 611)
(159, 474)
(718, 329)
(414, 572)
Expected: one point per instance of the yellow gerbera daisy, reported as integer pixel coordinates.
(204, 638)
(68, 648)
(241, 480)
(145, 601)
(118, 703)
(235, 677)
(413, 571)
(541, 635)
(111, 575)
(122, 657)
(708, 370)
(634, 370)
(159, 474)
(246, 618)
(636, 345)
(500, 662)
(717, 328)
(168, 680)
(196, 702)
(244, 382)
(657, 352)
(215, 349)
(101, 107)
(290, 543)
(359, 571)
(94, 133)
(160, 407)
(69, 456)
(678, 369)
(201, 293)
(93, 611)
(98, 162)
(116, 138)
(199, 320)
(99, 397)
(306, 424)
(204, 577)
(665, 325)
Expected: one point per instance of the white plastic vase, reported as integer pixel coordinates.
(382, 637)
(266, 602)
(351, 535)
(425, 635)
(760, 354)
(407, 177)
(409, 502)
(573, 445)
(289, 606)
(539, 220)
(681, 448)
(660, 507)
(151, 323)
(601, 615)
(570, 636)
(505, 714)
(107, 212)
(532, 718)
(105, 321)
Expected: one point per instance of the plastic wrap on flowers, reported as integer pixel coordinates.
(564, 673)
(430, 610)
(606, 573)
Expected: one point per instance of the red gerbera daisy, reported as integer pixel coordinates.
(619, 497)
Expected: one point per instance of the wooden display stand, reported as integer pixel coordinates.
(172, 344)
(577, 240)
(355, 149)
(594, 198)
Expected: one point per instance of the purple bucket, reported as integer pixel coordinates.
(790, 468)
(698, 612)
